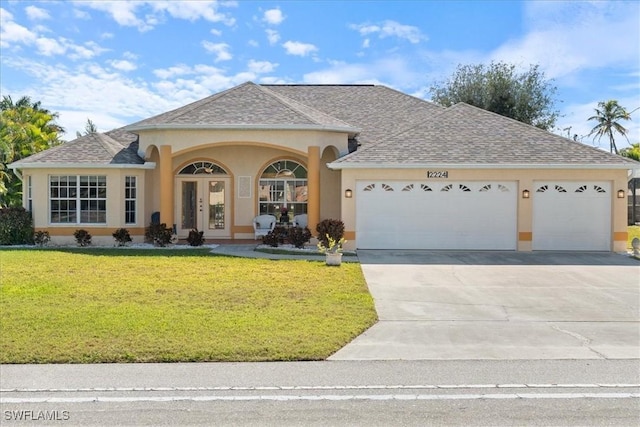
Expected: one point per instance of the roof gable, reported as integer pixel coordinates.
(245, 105)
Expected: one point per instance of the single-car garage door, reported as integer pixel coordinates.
(572, 216)
(436, 215)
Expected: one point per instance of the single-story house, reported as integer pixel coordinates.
(400, 172)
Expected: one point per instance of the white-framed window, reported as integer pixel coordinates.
(283, 184)
(29, 196)
(130, 197)
(78, 199)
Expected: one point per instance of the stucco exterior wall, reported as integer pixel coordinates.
(115, 215)
(525, 179)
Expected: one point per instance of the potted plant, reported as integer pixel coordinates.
(332, 250)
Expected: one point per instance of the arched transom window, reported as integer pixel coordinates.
(197, 168)
(283, 185)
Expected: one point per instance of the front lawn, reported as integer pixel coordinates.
(110, 305)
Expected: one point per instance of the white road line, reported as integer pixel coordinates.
(321, 387)
(320, 397)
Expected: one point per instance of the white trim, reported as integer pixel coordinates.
(340, 166)
(37, 165)
(345, 129)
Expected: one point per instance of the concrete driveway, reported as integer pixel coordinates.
(500, 305)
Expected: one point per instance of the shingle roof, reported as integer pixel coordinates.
(377, 110)
(113, 147)
(248, 104)
(463, 134)
(395, 129)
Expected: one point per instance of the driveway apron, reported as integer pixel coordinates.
(500, 305)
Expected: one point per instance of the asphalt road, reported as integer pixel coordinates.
(372, 393)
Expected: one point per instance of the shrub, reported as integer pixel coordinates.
(159, 234)
(333, 228)
(276, 237)
(83, 238)
(298, 236)
(271, 239)
(195, 238)
(16, 226)
(122, 236)
(41, 238)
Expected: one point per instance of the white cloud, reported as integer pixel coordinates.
(125, 13)
(12, 33)
(273, 17)
(298, 48)
(216, 32)
(123, 65)
(221, 50)
(567, 37)
(273, 36)
(36, 14)
(253, 43)
(391, 29)
(261, 67)
(49, 47)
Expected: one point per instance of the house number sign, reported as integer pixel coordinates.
(437, 174)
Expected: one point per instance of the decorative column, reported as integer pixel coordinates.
(166, 186)
(313, 183)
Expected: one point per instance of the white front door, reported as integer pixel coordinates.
(203, 204)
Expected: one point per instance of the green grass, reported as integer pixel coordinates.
(94, 306)
(634, 231)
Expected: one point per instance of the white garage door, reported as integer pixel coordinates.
(436, 215)
(572, 216)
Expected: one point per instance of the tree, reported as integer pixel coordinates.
(89, 128)
(25, 129)
(608, 114)
(527, 97)
(632, 152)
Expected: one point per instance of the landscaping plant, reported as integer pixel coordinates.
(121, 236)
(195, 238)
(330, 228)
(83, 238)
(159, 234)
(16, 226)
(299, 236)
(41, 238)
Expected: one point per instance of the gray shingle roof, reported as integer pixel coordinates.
(113, 147)
(394, 129)
(247, 104)
(463, 134)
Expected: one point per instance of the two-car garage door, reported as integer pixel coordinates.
(481, 215)
(436, 215)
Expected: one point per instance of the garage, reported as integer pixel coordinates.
(572, 215)
(436, 215)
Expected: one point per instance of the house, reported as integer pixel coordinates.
(400, 172)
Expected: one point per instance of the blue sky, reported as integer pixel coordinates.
(118, 62)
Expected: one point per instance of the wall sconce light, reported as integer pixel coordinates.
(526, 194)
(348, 193)
(621, 194)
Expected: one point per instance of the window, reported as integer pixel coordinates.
(130, 194)
(78, 199)
(29, 196)
(283, 184)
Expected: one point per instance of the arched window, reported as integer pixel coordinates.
(283, 185)
(197, 168)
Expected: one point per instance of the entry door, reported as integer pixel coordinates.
(203, 205)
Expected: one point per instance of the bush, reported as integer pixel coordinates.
(122, 236)
(298, 236)
(16, 227)
(276, 237)
(159, 234)
(333, 228)
(195, 238)
(83, 238)
(41, 238)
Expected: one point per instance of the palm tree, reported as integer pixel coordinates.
(607, 116)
